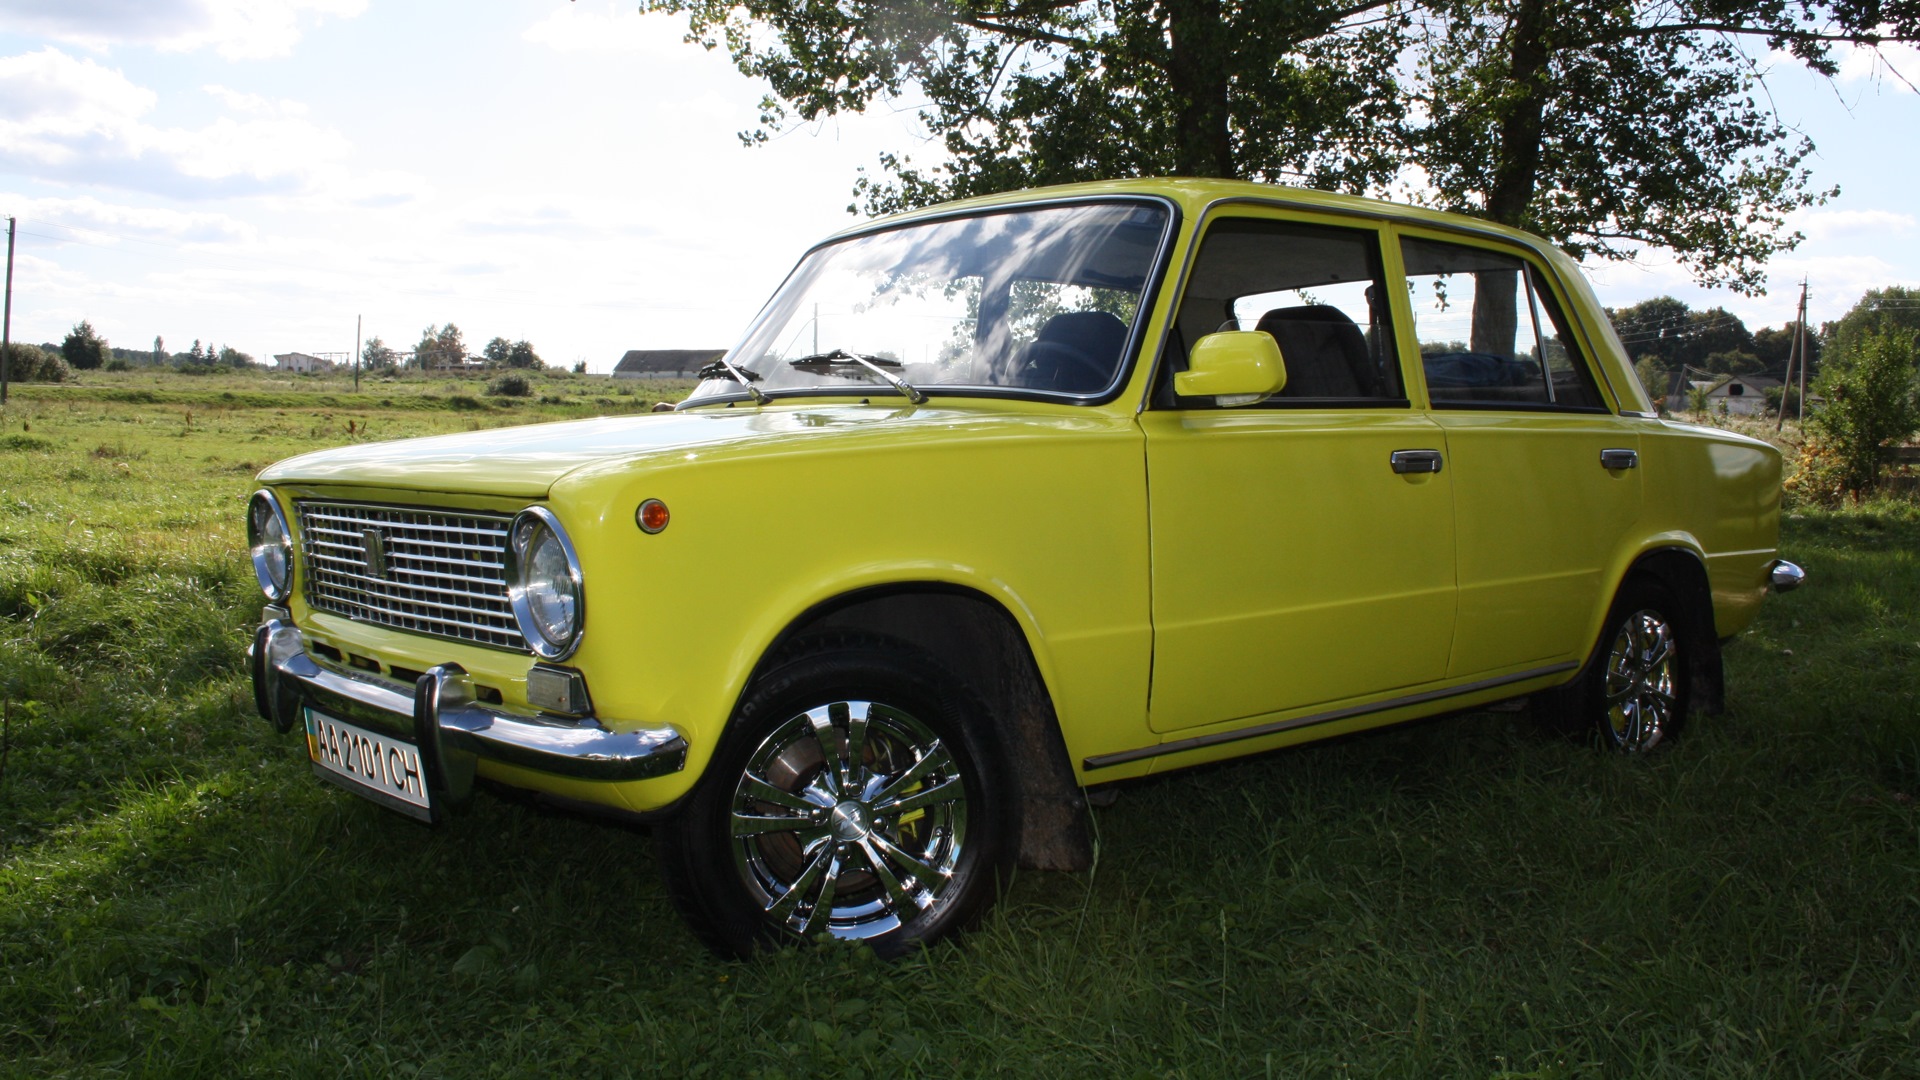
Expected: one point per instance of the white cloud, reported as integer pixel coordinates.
(92, 221)
(1894, 64)
(237, 29)
(1823, 224)
(607, 28)
(254, 103)
(71, 119)
(53, 106)
(378, 189)
(1836, 281)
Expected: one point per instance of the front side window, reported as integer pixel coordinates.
(1317, 290)
(1037, 301)
(1489, 331)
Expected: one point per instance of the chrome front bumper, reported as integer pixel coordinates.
(440, 715)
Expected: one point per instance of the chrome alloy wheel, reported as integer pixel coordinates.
(849, 818)
(1640, 697)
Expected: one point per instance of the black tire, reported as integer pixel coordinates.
(1633, 695)
(791, 835)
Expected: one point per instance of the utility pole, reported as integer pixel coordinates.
(1802, 337)
(356, 353)
(6, 323)
(1797, 349)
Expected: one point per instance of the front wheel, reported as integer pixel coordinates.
(1636, 684)
(852, 797)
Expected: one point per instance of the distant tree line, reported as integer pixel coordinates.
(445, 349)
(85, 350)
(1664, 337)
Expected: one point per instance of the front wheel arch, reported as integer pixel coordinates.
(790, 790)
(978, 639)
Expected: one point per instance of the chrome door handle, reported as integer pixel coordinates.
(1415, 461)
(1619, 459)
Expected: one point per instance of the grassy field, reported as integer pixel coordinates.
(180, 897)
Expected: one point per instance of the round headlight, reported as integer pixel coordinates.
(543, 584)
(272, 546)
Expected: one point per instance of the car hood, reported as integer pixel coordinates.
(525, 462)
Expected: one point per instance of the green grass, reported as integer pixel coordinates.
(179, 896)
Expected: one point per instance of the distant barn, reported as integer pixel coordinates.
(664, 363)
(301, 362)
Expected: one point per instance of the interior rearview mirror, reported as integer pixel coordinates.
(1234, 367)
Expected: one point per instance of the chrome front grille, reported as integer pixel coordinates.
(430, 571)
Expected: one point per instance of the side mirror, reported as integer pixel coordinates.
(1234, 367)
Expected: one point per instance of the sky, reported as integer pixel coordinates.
(262, 173)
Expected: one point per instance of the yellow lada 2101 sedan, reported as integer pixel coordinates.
(1006, 498)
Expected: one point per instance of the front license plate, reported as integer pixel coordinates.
(382, 768)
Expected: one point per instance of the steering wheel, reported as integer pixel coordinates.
(1053, 365)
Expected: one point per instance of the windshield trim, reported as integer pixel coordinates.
(1136, 332)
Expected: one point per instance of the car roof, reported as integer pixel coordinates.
(1193, 195)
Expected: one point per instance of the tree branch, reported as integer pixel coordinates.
(1028, 34)
(1777, 32)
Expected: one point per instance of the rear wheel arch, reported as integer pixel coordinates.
(1684, 575)
(980, 642)
(1677, 572)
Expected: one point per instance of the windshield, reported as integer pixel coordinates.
(1038, 300)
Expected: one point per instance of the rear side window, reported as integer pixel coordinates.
(1317, 290)
(1489, 331)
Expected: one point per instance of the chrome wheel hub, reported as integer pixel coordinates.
(849, 819)
(1640, 691)
(850, 822)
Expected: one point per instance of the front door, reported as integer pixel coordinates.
(1296, 560)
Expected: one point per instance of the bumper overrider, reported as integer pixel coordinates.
(452, 732)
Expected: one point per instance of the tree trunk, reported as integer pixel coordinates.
(1197, 72)
(1516, 172)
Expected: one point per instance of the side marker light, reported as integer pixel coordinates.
(652, 516)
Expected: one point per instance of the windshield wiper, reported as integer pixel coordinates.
(825, 362)
(744, 378)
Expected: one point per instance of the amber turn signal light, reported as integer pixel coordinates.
(652, 516)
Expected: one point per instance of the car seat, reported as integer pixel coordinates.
(1325, 353)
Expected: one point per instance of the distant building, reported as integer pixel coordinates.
(301, 362)
(664, 363)
(1743, 395)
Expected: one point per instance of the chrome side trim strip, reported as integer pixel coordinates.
(1179, 746)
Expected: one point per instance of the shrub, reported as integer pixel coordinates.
(30, 363)
(1872, 403)
(511, 385)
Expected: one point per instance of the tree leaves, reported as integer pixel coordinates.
(1608, 127)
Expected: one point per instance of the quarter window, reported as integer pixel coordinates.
(1489, 331)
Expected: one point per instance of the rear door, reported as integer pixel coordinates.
(1545, 476)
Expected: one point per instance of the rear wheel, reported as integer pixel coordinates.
(852, 798)
(1635, 688)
